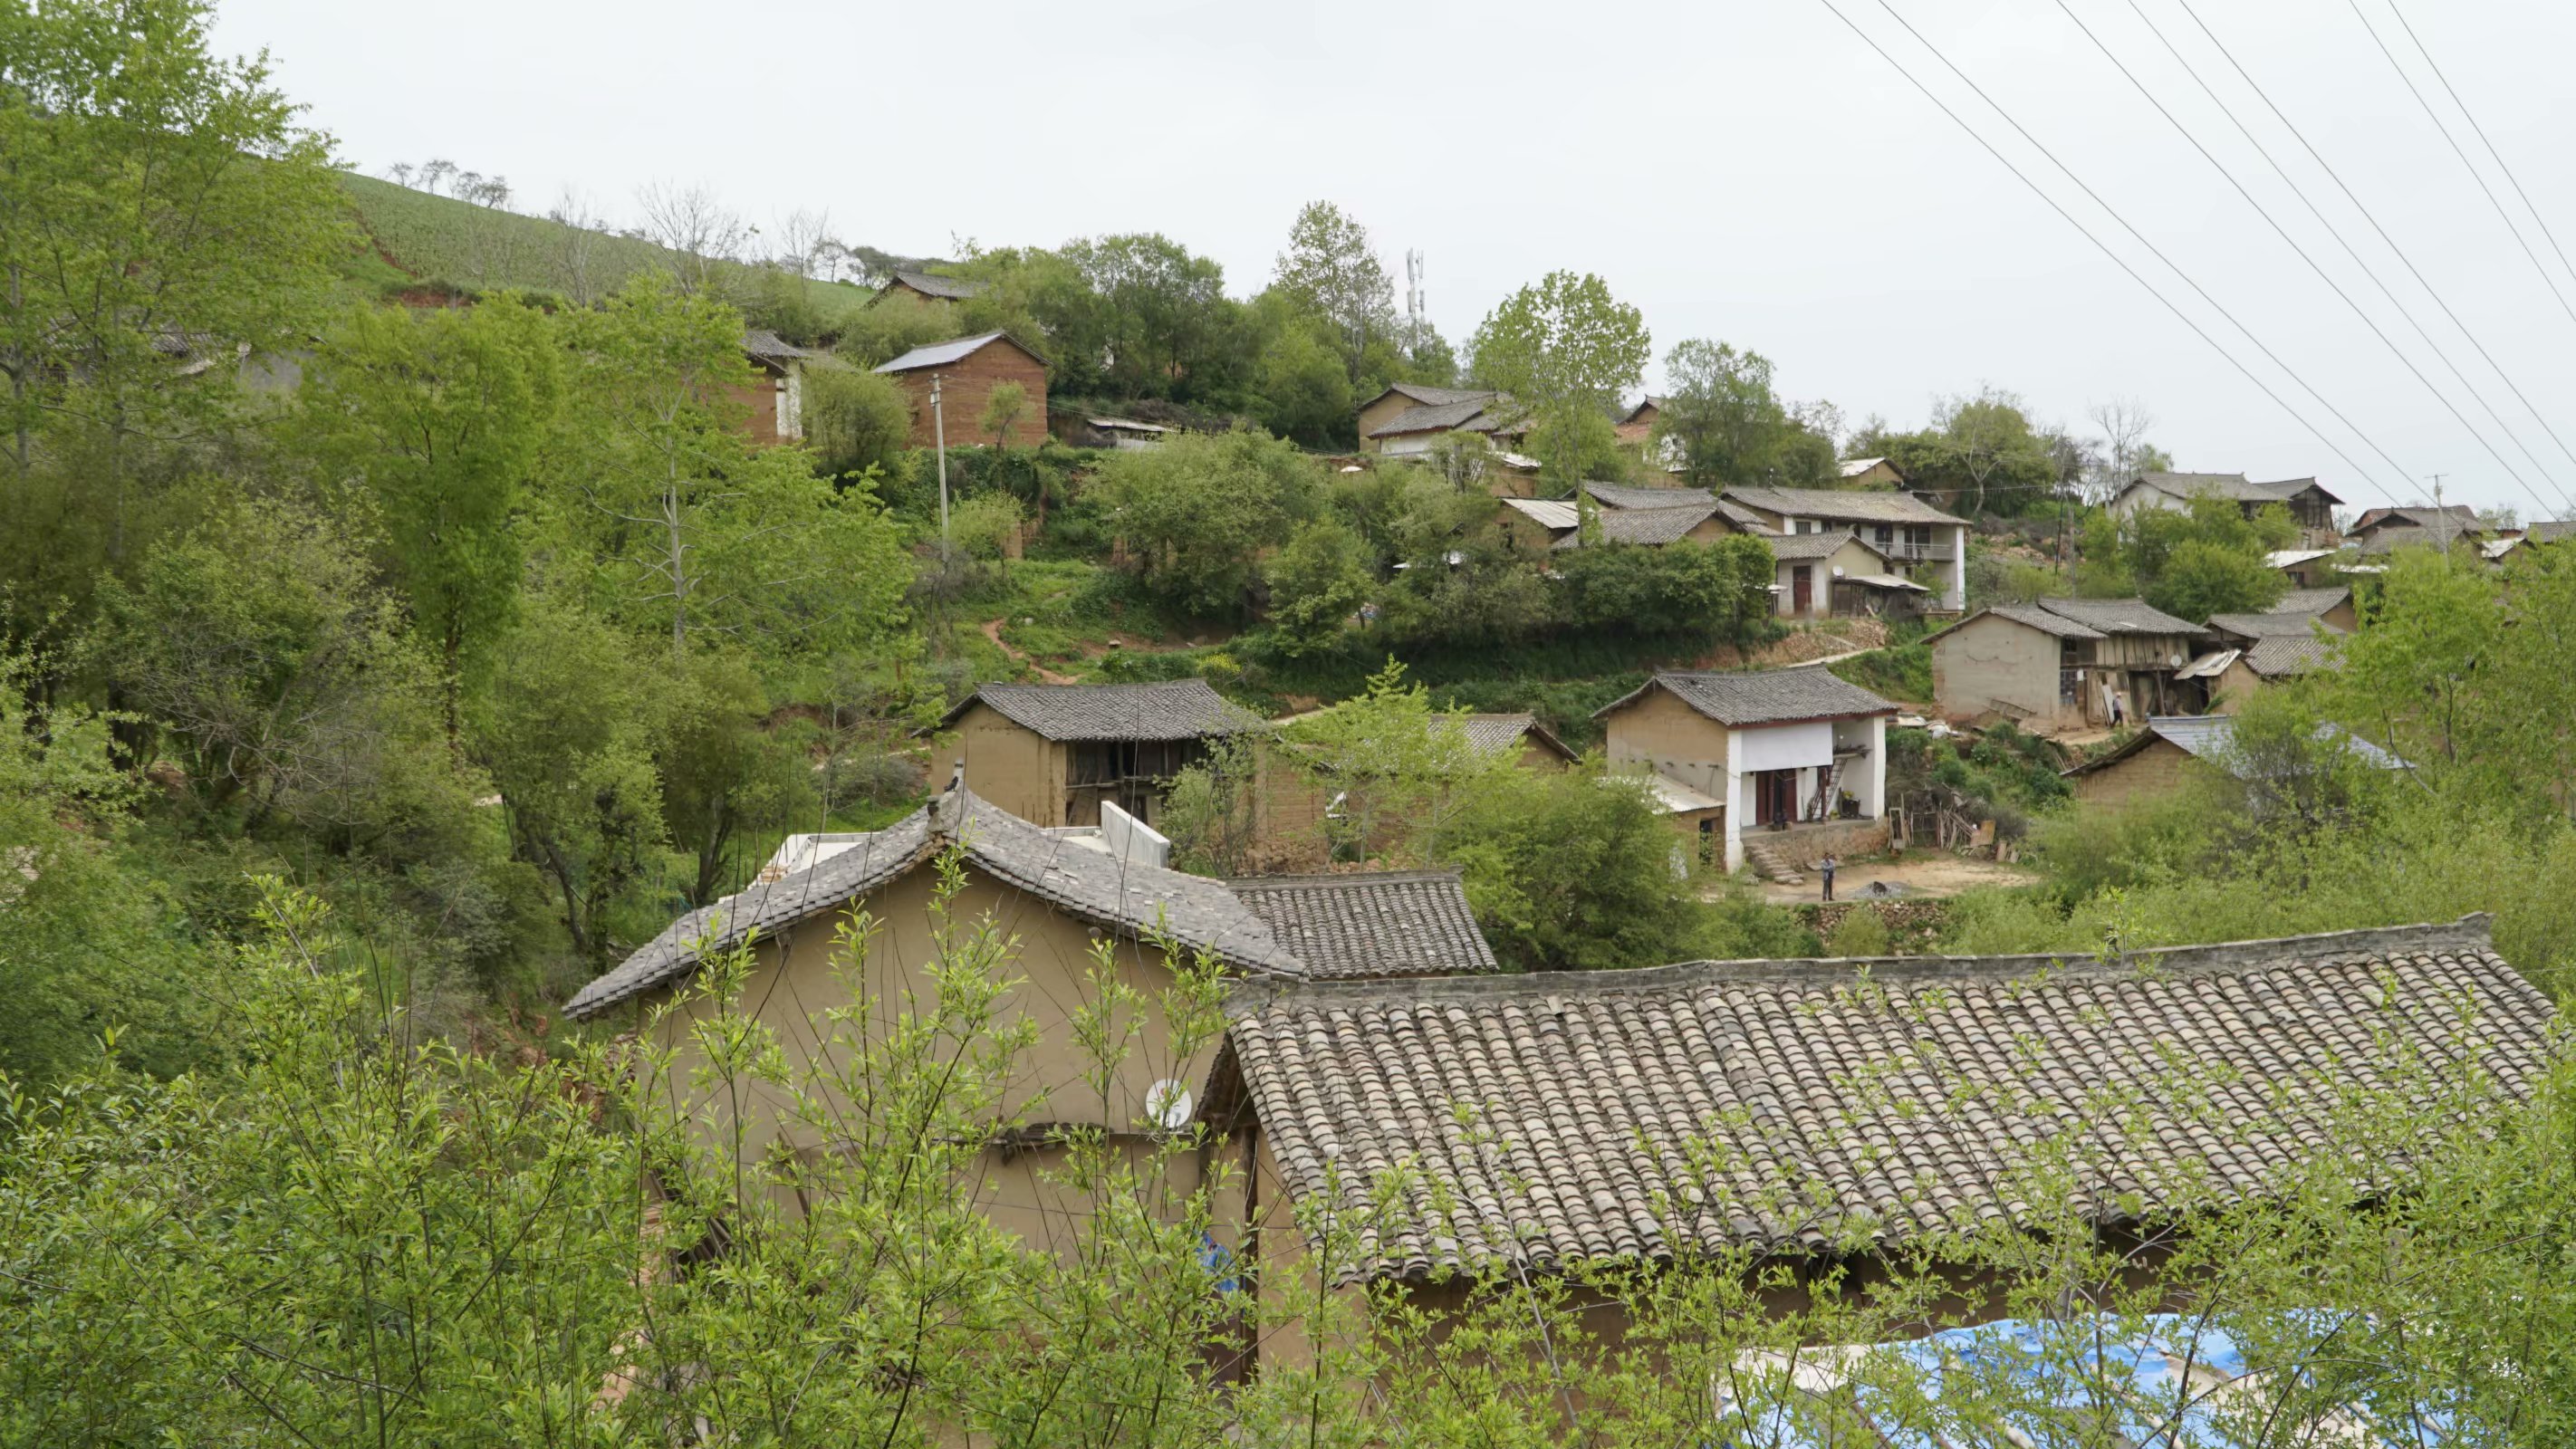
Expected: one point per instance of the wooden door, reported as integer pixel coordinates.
(1802, 590)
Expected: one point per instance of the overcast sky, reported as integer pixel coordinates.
(1747, 171)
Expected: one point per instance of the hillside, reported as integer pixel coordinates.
(421, 238)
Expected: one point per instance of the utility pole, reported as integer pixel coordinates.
(939, 434)
(2441, 520)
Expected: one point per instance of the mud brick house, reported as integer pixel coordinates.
(776, 395)
(921, 287)
(1838, 575)
(2259, 649)
(2310, 505)
(1409, 418)
(1924, 544)
(1793, 758)
(1824, 1110)
(1052, 753)
(967, 369)
(2067, 664)
(2175, 748)
(1871, 473)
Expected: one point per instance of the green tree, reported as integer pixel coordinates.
(1720, 417)
(1569, 870)
(1305, 392)
(1564, 349)
(1198, 511)
(727, 779)
(1166, 327)
(1332, 273)
(441, 415)
(1316, 583)
(1399, 769)
(1003, 408)
(1987, 442)
(2202, 560)
(856, 421)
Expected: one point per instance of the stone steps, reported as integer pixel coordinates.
(1769, 866)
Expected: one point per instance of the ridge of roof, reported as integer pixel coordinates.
(1867, 505)
(1167, 709)
(2119, 616)
(1761, 697)
(955, 349)
(2028, 615)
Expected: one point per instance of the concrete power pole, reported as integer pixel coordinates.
(2441, 520)
(1413, 301)
(939, 435)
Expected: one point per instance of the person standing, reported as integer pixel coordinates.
(1825, 868)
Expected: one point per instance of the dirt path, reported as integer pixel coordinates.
(1925, 875)
(993, 631)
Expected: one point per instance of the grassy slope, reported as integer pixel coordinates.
(444, 239)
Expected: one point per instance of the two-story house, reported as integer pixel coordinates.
(1052, 753)
(1798, 753)
(2067, 664)
(2309, 502)
(1920, 541)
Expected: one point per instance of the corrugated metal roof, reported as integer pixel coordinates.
(941, 354)
(1547, 513)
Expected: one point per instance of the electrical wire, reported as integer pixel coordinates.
(2368, 216)
(2474, 174)
(2293, 244)
(2116, 258)
(2471, 117)
(2348, 250)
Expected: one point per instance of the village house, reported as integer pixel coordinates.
(776, 396)
(1824, 1111)
(1053, 754)
(1922, 542)
(966, 370)
(1795, 757)
(2414, 523)
(2254, 650)
(1062, 892)
(2066, 664)
(1529, 742)
(2332, 604)
(1838, 575)
(1408, 418)
(1693, 522)
(1303, 821)
(1872, 473)
(2310, 505)
(2305, 568)
(920, 287)
(2174, 748)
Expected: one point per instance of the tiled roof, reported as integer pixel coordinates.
(2119, 616)
(1384, 923)
(1842, 505)
(762, 343)
(1800, 1106)
(1467, 413)
(2233, 486)
(1623, 495)
(1854, 467)
(1771, 696)
(2265, 626)
(1495, 733)
(1645, 527)
(1178, 709)
(2211, 737)
(1805, 547)
(2311, 601)
(1092, 884)
(2456, 517)
(2028, 614)
(953, 289)
(2278, 656)
(2549, 530)
(1438, 395)
(942, 354)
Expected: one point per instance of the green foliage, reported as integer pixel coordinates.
(1197, 512)
(1724, 425)
(1564, 349)
(2192, 563)
(1861, 932)
(1304, 386)
(1401, 770)
(856, 421)
(1004, 406)
(1331, 273)
(1898, 672)
(1569, 870)
(726, 779)
(1710, 590)
(1574, 448)
(1316, 583)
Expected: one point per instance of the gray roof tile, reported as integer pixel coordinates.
(1467, 413)
(1090, 884)
(2119, 616)
(1382, 923)
(1177, 709)
(954, 289)
(1554, 1118)
(2311, 601)
(1645, 527)
(1842, 505)
(2279, 656)
(1771, 696)
(2265, 626)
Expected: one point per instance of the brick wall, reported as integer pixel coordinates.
(967, 385)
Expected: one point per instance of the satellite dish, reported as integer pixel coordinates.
(1838, 571)
(1167, 1102)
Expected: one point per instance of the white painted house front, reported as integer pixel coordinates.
(1729, 755)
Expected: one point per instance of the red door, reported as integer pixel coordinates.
(1802, 589)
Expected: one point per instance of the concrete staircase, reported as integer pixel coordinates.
(1768, 864)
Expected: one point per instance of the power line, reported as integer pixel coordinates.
(2471, 117)
(2367, 215)
(2438, 124)
(2115, 257)
(2348, 250)
(2293, 244)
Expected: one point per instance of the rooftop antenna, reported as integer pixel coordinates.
(1414, 304)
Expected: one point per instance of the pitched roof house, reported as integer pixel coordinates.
(1061, 893)
(1800, 753)
(1821, 1109)
(965, 370)
(1838, 574)
(2161, 756)
(776, 396)
(1053, 753)
(927, 287)
(1872, 473)
(2066, 664)
(2454, 521)
(1697, 521)
(1409, 417)
(1539, 748)
(2308, 501)
(1924, 543)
